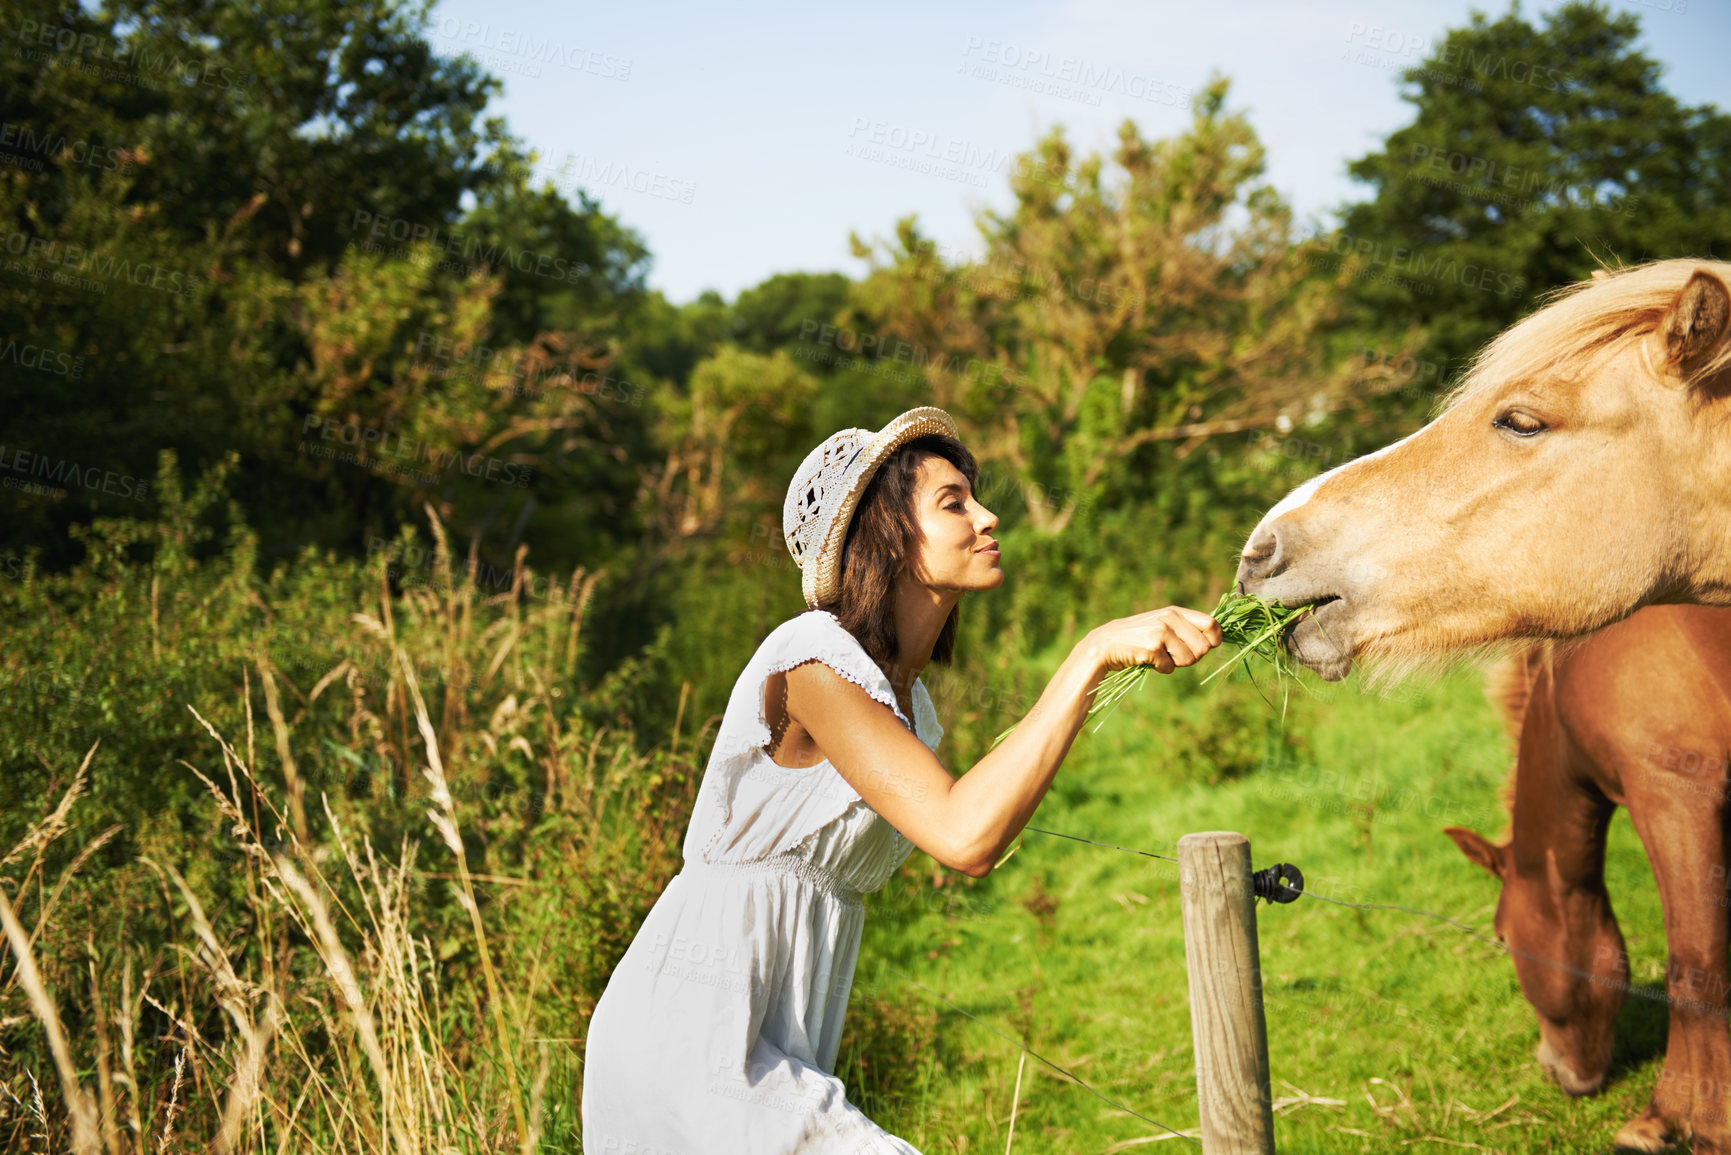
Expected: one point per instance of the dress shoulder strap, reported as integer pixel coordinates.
(814, 795)
(817, 636)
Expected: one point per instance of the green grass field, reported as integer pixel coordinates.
(1387, 1031)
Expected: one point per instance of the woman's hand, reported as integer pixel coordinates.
(1164, 639)
(966, 823)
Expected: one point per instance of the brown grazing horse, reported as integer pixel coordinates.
(1580, 471)
(1636, 715)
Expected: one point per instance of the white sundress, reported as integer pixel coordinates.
(717, 1033)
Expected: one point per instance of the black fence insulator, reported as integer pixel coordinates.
(1282, 882)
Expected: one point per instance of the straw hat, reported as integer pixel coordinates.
(827, 486)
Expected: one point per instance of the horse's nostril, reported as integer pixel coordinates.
(1259, 548)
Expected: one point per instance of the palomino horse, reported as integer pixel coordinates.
(1580, 471)
(1636, 715)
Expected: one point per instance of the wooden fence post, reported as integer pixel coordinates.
(1231, 1037)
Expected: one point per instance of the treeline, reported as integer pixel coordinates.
(305, 245)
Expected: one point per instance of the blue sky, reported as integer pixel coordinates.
(742, 141)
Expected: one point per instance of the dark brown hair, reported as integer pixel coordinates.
(882, 539)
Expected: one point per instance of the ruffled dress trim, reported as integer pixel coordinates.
(810, 796)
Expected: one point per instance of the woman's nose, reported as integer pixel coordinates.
(986, 522)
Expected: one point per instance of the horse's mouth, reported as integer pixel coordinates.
(1317, 640)
(1559, 1068)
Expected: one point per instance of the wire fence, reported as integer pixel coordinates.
(1300, 891)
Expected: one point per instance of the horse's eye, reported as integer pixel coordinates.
(1519, 423)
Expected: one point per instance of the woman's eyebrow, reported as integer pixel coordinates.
(952, 486)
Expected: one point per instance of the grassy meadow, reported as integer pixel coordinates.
(337, 859)
(1387, 1031)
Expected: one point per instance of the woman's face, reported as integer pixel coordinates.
(957, 550)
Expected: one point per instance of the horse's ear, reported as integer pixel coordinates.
(1697, 320)
(1478, 848)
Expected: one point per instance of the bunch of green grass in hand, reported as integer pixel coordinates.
(1255, 625)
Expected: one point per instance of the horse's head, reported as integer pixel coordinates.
(1568, 955)
(1580, 471)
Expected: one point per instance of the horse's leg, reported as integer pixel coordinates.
(1684, 832)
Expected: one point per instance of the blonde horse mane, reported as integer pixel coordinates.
(1509, 684)
(1579, 320)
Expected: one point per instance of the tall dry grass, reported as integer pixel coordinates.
(323, 990)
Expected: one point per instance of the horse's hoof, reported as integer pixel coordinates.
(1648, 1133)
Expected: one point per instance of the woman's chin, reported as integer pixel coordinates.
(993, 578)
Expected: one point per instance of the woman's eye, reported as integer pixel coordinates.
(954, 505)
(1520, 424)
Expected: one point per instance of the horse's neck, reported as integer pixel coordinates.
(1575, 842)
(1558, 813)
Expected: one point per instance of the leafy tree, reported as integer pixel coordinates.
(789, 310)
(229, 227)
(743, 412)
(1169, 304)
(1535, 153)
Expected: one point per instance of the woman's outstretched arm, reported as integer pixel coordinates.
(967, 822)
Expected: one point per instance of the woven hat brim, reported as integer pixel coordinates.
(820, 579)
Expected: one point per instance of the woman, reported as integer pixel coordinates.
(718, 1031)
